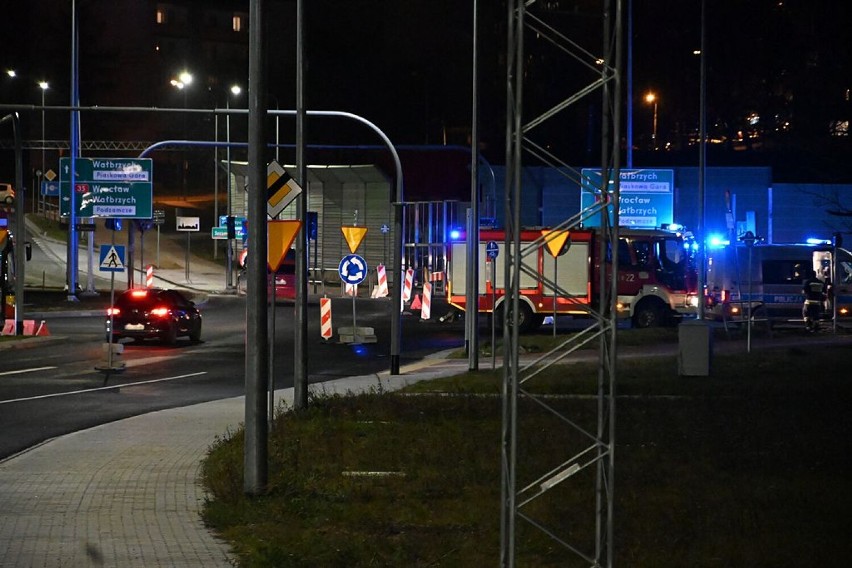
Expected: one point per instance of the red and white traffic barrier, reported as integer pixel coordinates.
(350, 289)
(383, 282)
(426, 306)
(325, 318)
(28, 327)
(149, 276)
(409, 282)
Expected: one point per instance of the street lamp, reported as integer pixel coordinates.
(234, 90)
(651, 98)
(277, 130)
(229, 279)
(43, 85)
(183, 81)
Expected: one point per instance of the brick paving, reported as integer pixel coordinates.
(121, 494)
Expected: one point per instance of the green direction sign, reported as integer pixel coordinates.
(646, 200)
(108, 169)
(222, 232)
(110, 200)
(108, 187)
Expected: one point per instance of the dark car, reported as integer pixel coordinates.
(285, 276)
(153, 313)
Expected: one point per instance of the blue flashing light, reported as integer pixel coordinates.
(455, 234)
(717, 242)
(815, 241)
(360, 350)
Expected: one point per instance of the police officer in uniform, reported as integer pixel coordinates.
(814, 290)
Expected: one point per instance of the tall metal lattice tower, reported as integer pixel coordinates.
(583, 477)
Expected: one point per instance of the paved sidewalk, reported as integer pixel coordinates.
(127, 494)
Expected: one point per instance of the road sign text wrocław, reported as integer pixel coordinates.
(108, 187)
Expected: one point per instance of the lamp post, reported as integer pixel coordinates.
(277, 130)
(183, 81)
(229, 276)
(702, 166)
(43, 85)
(651, 98)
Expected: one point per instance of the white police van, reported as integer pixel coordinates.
(767, 279)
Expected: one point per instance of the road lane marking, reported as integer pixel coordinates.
(83, 391)
(19, 371)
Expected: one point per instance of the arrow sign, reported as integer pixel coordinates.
(353, 236)
(280, 234)
(492, 250)
(352, 269)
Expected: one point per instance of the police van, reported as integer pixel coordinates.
(766, 281)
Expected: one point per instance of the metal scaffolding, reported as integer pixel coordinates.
(101, 145)
(589, 460)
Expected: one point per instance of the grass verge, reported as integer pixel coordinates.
(743, 468)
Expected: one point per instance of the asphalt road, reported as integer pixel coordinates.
(53, 388)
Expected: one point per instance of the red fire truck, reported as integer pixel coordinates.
(657, 280)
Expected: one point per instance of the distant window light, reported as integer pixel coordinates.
(162, 16)
(238, 22)
(840, 128)
(753, 118)
(847, 94)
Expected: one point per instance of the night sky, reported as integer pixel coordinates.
(406, 66)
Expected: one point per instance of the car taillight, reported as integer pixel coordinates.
(139, 292)
(160, 312)
(113, 311)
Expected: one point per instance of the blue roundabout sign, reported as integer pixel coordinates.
(352, 269)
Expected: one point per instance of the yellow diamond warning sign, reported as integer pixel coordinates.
(281, 189)
(353, 236)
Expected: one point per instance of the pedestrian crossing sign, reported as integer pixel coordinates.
(112, 258)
